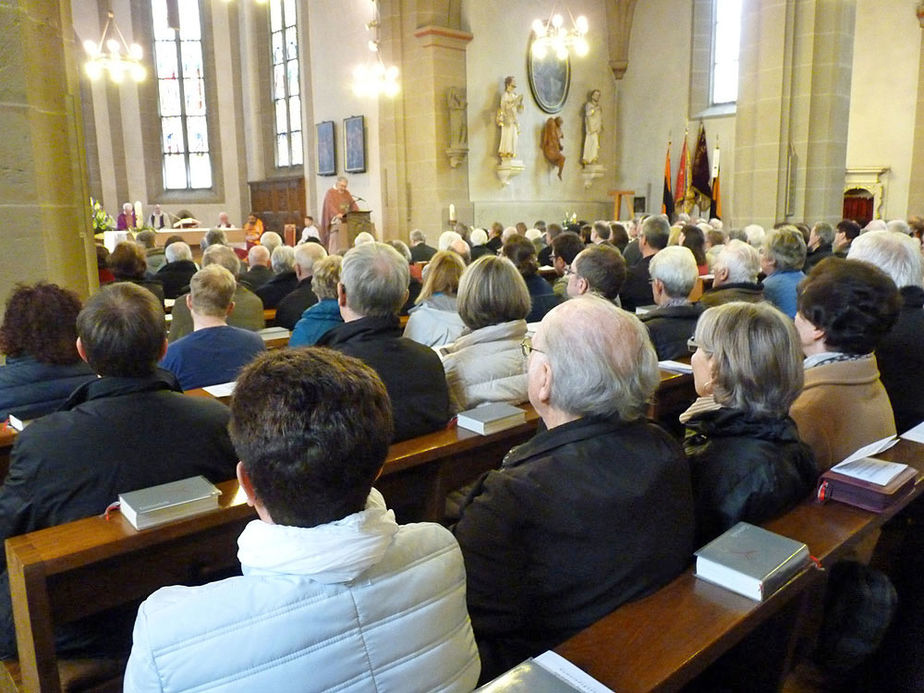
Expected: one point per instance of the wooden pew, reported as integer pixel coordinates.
(662, 642)
(64, 573)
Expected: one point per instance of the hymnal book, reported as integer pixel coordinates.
(490, 418)
(751, 561)
(221, 390)
(868, 483)
(150, 507)
(547, 673)
(915, 434)
(17, 423)
(270, 333)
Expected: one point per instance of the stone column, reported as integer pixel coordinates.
(793, 108)
(44, 199)
(916, 184)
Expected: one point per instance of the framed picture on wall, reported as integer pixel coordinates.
(327, 153)
(354, 139)
(549, 79)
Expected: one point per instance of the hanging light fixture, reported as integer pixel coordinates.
(552, 36)
(375, 79)
(118, 58)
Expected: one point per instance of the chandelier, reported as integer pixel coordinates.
(375, 79)
(552, 36)
(119, 59)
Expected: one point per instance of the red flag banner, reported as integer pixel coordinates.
(700, 172)
(680, 190)
(715, 209)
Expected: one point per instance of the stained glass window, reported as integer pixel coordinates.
(286, 100)
(181, 96)
(726, 39)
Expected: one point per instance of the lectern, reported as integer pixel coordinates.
(356, 223)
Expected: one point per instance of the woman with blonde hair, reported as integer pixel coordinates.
(486, 363)
(746, 458)
(434, 320)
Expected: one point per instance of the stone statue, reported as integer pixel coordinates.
(458, 128)
(551, 144)
(508, 119)
(593, 124)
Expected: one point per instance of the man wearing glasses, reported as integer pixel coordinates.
(595, 510)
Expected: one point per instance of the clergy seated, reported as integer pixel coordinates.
(373, 287)
(846, 308)
(248, 308)
(593, 511)
(131, 428)
(335, 595)
(215, 352)
(671, 324)
(37, 337)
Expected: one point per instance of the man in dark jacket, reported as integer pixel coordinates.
(259, 272)
(180, 268)
(373, 287)
(284, 281)
(821, 238)
(636, 291)
(735, 276)
(290, 309)
(420, 251)
(129, 429)
(671, 324)
(594, 511)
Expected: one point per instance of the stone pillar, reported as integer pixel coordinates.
(418, 179)
(793, 108)
(916, 184)
(44, 198)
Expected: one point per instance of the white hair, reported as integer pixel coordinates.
(417, 236)
(176, 251)
(282, 259)
(508, 232)
(875, 225)
(896, 254)
(309, 254)
(271, 240)
(899, 225)
(478, 237)
(716, 224)
(741, 260)
(676, 268)
(375, 278)
(755, 234)
(363, 237)
(446, 240)
(533, 234)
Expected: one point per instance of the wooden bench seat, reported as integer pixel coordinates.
(662, 642)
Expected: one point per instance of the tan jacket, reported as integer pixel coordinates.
(843, 406)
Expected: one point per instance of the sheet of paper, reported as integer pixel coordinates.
(915, 434)
(222, 390)
(675, 366)
(169, 302)
(570, 673)
(870, 469)
(869, 450)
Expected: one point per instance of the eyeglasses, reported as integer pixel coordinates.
(693, 345)
(526, 346)
(569, 272)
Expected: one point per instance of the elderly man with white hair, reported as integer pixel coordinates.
(672, 323)
(373, 287)
(259, 272)
(178, 270)
(284, 281)
(899, 354)
(302, 297)
(420, 251)
(735, 276)
(553, 540)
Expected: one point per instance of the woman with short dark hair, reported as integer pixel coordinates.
(38, 338)
(129, 264)
(522, 253)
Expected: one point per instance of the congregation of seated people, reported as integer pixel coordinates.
(803, 343)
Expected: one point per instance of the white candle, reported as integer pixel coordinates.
(452, 212)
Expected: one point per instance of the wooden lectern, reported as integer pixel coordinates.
(356, 223)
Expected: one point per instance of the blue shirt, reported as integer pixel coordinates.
(315, 322)
(212, 355)
(780, 290)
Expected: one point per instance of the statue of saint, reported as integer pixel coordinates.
(551, 144)
(508, 119)
(458, 129)
(593, 124)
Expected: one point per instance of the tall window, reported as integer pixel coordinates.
(726, 39)
(181, 94)
(287, 103)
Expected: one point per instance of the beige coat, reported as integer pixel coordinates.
(843, 407)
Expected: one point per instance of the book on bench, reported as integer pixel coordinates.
(547, 673)
(751, 561)
(868, 483)
(156, 505)
(490, 418)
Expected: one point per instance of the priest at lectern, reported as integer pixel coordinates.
(337, 202)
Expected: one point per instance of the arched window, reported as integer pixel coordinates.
(187, 163)
(726, 39)
(287, 103)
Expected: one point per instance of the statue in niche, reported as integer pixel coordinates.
(593, 125)
(458, 129)
(551, 144)
(508, 119)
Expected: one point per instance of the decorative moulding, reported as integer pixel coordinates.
(442, 37)
(591, 172)
(511, 168)
(867, 178)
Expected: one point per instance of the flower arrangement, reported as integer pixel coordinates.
(99, 218)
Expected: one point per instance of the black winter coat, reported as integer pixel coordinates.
(745, 469)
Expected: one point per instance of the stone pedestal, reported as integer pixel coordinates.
(509, 168)
(591, 172)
